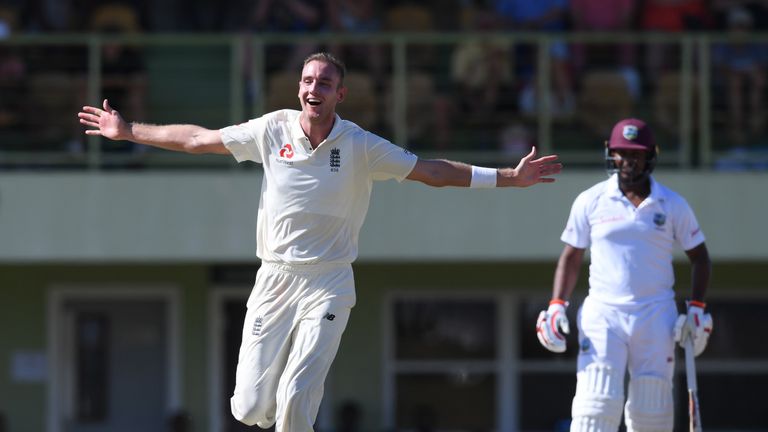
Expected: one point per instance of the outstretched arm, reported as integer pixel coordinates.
(108, 123)
(528, 172)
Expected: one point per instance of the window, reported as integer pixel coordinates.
(460, 362)
(445, 358)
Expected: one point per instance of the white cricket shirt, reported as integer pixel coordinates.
(631, 248)
(313, 202)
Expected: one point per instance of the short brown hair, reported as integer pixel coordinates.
(329, 58)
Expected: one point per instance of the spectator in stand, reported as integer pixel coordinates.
(544, 16)
(12, 83)
(358, 16)
(672, 16)
(124, 79)
(740, 67)
(602, 16)
(481, 72)
(289, 16)
(9, 20)
(758, 9)
(123, 71)
(12, 75)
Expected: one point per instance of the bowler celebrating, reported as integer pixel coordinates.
(318, 174)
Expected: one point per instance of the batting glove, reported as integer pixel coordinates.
(550, 324)
(695, 324)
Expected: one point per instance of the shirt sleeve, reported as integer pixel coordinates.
(245, 140)
(386, 160)
(687, 230)
(577, 229)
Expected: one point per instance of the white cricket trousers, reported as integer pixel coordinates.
(292, 329)
(637, 339)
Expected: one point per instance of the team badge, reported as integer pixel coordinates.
(335, 162)
(630, 132)
(585, 345)
(659, 219)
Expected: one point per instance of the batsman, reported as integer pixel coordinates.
(629, 320)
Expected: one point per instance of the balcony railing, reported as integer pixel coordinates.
(477, 97)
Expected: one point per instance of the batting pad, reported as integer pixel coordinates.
(649, 406)
(599, 399)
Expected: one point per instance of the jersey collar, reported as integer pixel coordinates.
(298, 136)
(612, 188)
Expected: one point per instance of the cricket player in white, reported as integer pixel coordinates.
(628, 321)
(318, 174)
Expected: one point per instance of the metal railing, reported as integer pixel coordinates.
(248, 71)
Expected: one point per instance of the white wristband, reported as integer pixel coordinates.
(483, 177)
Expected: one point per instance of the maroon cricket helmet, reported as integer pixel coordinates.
(632, 134)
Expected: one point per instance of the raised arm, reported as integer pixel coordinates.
(108, 123)
(529, 171)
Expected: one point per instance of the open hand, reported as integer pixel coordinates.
(531, 171)
(105, 121)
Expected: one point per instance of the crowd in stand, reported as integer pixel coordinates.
(45, 16)
(483, 83)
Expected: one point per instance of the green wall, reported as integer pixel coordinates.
(23, 326)
(357, 372)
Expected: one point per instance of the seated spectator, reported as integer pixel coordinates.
(602, 16)
(544, 16)
(672, 16)
(358, 16)
(758, 9)
(742, 65)
(289, 16)
(124, 83)
(481, 72)
(8, 21)
(12, 75)
(115, 18)
(123, 72)
(12, 84)
(410, 16)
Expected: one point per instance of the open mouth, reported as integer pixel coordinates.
(313, 101)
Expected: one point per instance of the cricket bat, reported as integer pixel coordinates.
(694, 418)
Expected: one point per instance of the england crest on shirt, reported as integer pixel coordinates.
(659, 219)
(335, 162)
